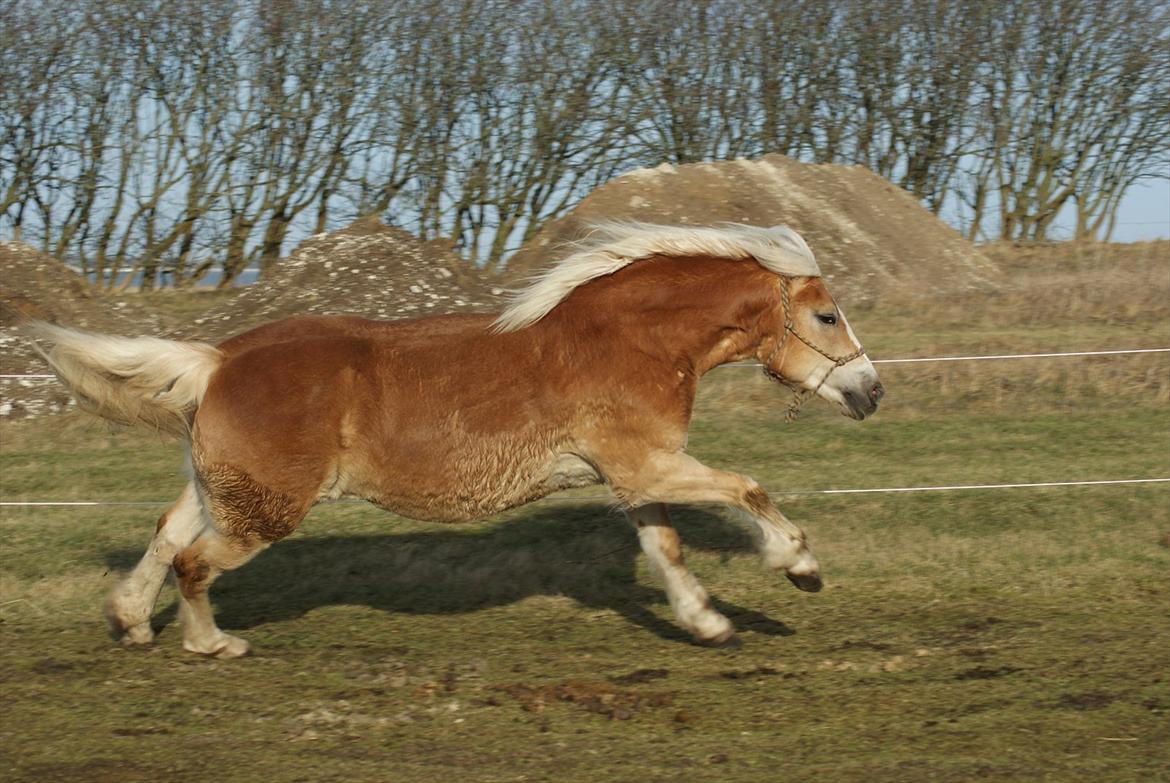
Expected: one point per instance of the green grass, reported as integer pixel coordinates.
(1009, 635)
(1015, 635)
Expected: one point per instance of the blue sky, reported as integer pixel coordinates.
(1145, 212)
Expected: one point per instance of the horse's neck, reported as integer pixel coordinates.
(686, 313)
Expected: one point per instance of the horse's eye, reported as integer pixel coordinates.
(828, 319)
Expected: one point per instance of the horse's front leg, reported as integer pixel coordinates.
(688, 599)
(675, 477)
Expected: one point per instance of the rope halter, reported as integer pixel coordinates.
(799, 394)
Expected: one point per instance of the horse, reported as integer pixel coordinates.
(587, 377)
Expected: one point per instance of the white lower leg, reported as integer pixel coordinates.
(690, 602)
(202, 635)
(196, 567)
(131, 602)
(692, 606)
(781, 551)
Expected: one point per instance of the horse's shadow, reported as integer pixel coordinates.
(580, 552)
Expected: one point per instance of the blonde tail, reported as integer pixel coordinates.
(130, 380)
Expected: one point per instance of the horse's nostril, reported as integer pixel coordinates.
(877, 392)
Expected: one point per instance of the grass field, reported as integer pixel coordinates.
(1018, 635)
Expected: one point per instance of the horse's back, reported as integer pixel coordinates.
(351, 326)
(298, 377)
(434, 418)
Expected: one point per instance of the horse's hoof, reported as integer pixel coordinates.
(810, 583)
(225, 646)
(129, 635)
(124, 627)
(137, 635)
(729, 642)
(235, 648)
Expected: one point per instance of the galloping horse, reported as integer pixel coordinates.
(587, 377)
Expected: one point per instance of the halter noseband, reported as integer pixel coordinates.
(800, 395)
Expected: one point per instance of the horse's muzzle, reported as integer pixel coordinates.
(860, 404)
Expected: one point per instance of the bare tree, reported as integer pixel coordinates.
(684, 69)
(1070, 85)
(1126, 136)
(537, 139)
(36, 55)
(169, 141)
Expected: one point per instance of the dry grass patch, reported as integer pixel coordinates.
(1011, 636)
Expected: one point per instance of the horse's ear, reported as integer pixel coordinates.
(804, 289)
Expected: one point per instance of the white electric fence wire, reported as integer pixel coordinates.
(580, 498)
(909, 360)
(1019, 356)
(923, 359)
(854, 491)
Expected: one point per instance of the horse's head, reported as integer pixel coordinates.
(809, 346)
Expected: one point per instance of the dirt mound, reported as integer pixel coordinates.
(34, 285)
(869, 235)
(367, 269)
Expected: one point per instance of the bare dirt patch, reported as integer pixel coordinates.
(985, 673)
(747, 674)
(598, 698)
(640, 676)
(1092, 700)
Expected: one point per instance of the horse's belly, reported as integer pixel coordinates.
(463, 491)
(571, 472)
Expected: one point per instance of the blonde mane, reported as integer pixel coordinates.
(612, 246)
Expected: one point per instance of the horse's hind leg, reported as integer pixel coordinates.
(244, 518)
(690, 601)
(131, 602)
(196, 567)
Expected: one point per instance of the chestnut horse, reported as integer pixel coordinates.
(587, 377)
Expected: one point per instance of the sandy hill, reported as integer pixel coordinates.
(35, 285)
(366, 268)
(868, 234)
(870, 237)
